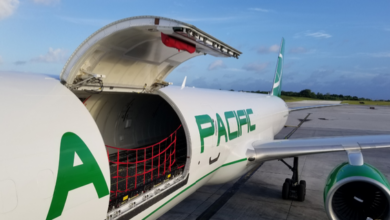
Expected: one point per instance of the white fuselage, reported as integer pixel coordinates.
(37, 111)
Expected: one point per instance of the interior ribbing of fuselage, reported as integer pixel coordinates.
(144, 139)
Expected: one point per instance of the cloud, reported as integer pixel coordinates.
(247, 84)
(21, 73)
(203, 82)
(320, 73)
(8, 7)
(319, 77)
(20, 62)
(52, 56)
(358, 84)
(216, 65)
(259, 9)
(256, 67)
(383, 79)
(185, 68)
(235, 82)
(318, 34)
(298, 50)
(46, 2)
(272, 49)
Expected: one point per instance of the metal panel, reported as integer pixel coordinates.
(128, 55)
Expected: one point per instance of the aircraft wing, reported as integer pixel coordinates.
(353, 145)
(312, 106)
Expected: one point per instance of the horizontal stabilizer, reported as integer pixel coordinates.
(280, 149)
(312, 106)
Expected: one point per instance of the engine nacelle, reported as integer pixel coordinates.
(357, 192)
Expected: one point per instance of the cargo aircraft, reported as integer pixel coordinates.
(112, 140)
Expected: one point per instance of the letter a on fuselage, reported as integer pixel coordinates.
(71, 177)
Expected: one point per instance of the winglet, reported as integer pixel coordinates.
(277, 86)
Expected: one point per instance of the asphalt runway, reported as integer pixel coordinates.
(258, 195)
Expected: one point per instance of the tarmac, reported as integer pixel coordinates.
(258, 195)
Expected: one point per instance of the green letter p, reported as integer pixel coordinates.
(204, 132)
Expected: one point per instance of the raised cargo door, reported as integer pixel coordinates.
(130, 56)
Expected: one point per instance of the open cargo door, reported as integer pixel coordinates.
(136, 55)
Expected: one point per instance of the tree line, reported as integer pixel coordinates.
(327, 96)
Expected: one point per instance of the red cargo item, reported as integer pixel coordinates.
(176, 43)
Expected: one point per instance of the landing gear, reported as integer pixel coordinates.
(292, 189)
(286, 189)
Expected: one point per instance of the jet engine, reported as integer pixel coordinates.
(357, 192)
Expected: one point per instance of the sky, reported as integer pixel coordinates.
(337, 47)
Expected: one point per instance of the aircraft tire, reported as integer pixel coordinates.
(286, 189)
(302, 190)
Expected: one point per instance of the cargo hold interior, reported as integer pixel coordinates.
(144, 139)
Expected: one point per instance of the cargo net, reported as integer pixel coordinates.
(138, 170)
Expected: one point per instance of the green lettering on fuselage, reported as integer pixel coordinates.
(243, 121)
(250, 126)
(204, 132)
(209, 130)
(221, 129)
(228, 115)
(71, 177)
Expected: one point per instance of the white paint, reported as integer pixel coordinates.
(8, 196)
(77, 161)
(184, 83)
(276, 85)
(45, 183)
(47, 110)
(207, 125)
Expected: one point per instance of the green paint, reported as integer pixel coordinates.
(206, 132)
(71, 177)
(238, 125)
(221, 129)
(209, 131)
(237, 161)
(345, 170)
(224, 165)
(250, 126)
(242, 121)
(231, 114)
